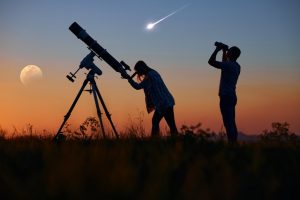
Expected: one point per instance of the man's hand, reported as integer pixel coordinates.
(218, 48)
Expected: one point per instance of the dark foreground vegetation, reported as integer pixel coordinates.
(190, 166)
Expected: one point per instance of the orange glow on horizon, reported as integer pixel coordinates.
(195, 94)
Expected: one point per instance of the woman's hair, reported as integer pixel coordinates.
(141, 68)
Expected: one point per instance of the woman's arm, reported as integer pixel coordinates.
(136, 85)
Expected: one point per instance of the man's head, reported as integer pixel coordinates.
(233, 53)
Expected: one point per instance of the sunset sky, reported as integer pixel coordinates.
(36, 32)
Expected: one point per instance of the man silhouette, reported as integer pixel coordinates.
(230, 71)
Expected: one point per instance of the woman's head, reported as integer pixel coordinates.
(141, 68)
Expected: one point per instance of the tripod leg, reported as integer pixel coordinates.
(97, 107)
(66, 117)
(108, 115)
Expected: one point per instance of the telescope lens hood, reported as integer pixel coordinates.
(75, 28)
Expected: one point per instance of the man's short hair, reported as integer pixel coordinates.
(236, 52)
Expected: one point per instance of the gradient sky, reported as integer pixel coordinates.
(36, 32)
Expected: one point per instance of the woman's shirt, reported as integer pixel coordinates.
(157, 95)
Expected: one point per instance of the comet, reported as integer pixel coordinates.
(151, 25)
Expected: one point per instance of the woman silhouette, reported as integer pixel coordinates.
(157, 97)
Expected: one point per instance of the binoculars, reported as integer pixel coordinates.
(222, 46)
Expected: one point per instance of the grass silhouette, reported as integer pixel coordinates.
(195, 165)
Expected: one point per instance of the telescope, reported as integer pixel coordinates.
(97, 49)
(87, 62)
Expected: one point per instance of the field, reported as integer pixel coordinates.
(185, 167)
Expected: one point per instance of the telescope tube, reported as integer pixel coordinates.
(95, 47)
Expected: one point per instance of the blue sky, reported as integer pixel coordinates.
(265, 30)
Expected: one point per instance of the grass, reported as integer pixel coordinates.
(198, 164)
(187, 167)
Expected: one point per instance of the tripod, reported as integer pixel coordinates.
(90, 78)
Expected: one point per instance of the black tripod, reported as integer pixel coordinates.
(90, 78)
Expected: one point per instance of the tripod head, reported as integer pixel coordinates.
(88, 63)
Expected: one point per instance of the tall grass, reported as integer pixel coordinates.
(195, 165)
(171, 168)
